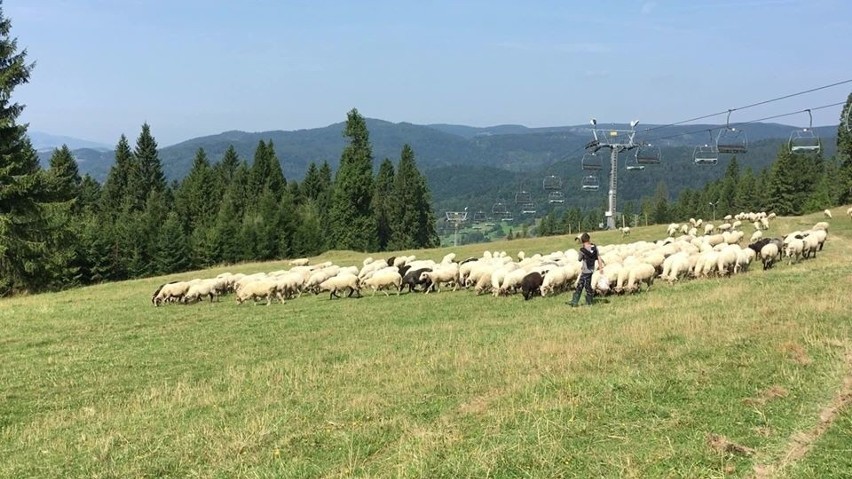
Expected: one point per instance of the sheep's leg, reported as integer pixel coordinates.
(386, 292)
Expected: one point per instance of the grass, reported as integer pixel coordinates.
(98, 383)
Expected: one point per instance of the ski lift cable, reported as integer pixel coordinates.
(752, 121)
(752, 105)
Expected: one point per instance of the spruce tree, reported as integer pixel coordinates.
(147, 176)
(226, 234)
(90, 193)
(62, 257)
(172, 251)
(116, 190)
(226, 169)
(195, 199)
(412, 220)
(311, 183)
(352, 224)
(64, 175)
(382, 203)
(781, 194)
(265, 172)
(23, 185)
(844, 153)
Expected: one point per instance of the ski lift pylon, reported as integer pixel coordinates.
(731, 140)
(805, 140)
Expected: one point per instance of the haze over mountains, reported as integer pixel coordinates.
(463, 164)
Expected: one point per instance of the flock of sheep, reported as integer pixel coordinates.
(692, 250)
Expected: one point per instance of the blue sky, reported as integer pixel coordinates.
(192, 68)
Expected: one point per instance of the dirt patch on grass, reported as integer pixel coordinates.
(801, 442)
(767, 395)
(722, 444)
(796, 353)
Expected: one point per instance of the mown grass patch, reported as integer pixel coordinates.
(97, 382)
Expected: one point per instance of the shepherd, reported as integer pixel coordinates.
(588, 255)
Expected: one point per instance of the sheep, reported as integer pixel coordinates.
(412, 280)
(449, 258)
(827, 213)
(625, 231)
(383, 280)
(724, 227)
(211, 288)
(708, 228)
(640, 273)
(170, 291)
(794, 249)
(756, 236)
(764, 223)
(339, 283)
(300, 262)
(289, 284)
(531, 284)
(768, 254)
(736, 224)
(442, 275)
(821, 236)
(849, 212)
(726, 261)
(261, 288)
(822, 225)
(811, 244)
(483, 282)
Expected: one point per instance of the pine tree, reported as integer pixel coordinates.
(90, 194)
(147, 176)
(352, 225)
(746, 197)
(265, 172)
(412, 220)
(781, 191)
(844, 153)
(63, 261)
(172, 251)
(226, 234)
(268, 227)
(64, 175)
(116, 190)
(311, 186)
(23, 186)
(382, 203)
(226, 169)
(308, 237)
(660, 214)
(195, 199)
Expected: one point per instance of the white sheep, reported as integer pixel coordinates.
(383, 280)
(708, 228)
(300, 262)
(793, 249)
(827, 213)
(849, 212)
(261, 288)
(811, 244)
(625, 231)
(442, 275)
(768, 253)
(339, 283)
(210, 288)
(755, 236)
(448, 258)
(171, 291)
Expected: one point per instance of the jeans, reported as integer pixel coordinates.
(584, 282)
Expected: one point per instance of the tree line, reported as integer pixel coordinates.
(77, 231)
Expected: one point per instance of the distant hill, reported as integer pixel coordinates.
(45, 141)
(476, 167)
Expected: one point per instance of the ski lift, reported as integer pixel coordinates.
(555, 197)
(523, 197)
(592, 162)
(528, 208)
(591, 183)
(552, 183)
(849, 119)
(499, 210)
(731, 140)
(805, 140)
(479, 217)
(705, 155)
(647, 155)
(634, 165)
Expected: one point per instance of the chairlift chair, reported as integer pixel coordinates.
(592, 162)
(731, 140)
(523, 197)
(552, 183)
(479, 217)
(706, 155)
(528, 208)
(499, 210)
(634, 165)
(647, 155)
(555, 197)
(805, 140)
(591, 183)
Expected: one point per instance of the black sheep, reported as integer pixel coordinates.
(412, 280)
(391, 260)
(531, 284)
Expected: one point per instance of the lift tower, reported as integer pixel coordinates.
(616, 141)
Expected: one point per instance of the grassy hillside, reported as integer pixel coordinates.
(708, 378)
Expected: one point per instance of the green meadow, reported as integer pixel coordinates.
(748, 376)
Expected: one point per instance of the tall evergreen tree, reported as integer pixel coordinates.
(23, 186)
(62, 261)
(311, 187)
(781, 191)
(90, 193)
(844, 153)
(195, 199)
(412, 220)
(172, 250)
(148, 174)
(226, 169)
(64, 175)
(116, 190)
(352, 224)
(382, 203)
(265, 172)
